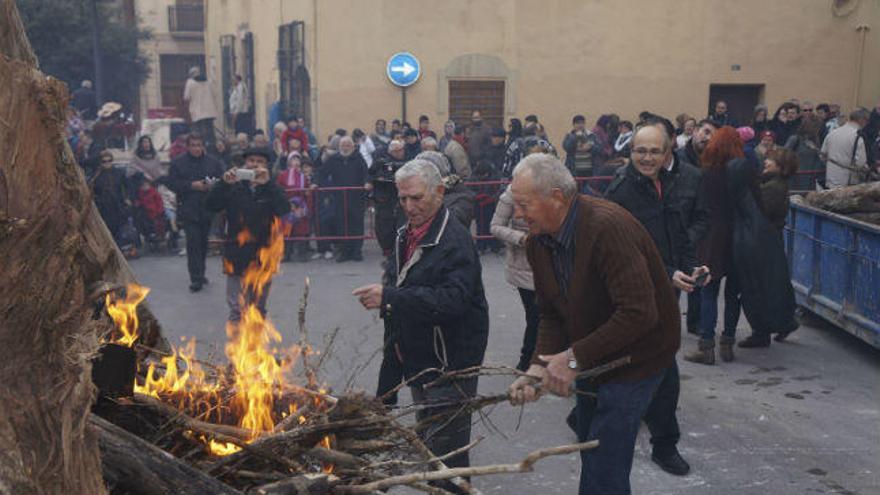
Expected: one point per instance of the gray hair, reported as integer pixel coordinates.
(279, 126)
(422, 169)
(667, 139)
(859, 114)
(547, 173)
(395, 145)
(438, 159)
(429, 142)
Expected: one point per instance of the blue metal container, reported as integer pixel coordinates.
(835, 269)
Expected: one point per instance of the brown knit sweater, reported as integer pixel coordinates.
(620, 300)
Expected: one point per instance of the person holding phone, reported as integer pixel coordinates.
(645, 189)
(190, 177)
(252, 204)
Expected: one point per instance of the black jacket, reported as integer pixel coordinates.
(773, 199)
(185, 170)
(434, 307)
(758, 256)
(685, 195)
(381, 174)
(658, 215)
(340, 171)
(251, 209)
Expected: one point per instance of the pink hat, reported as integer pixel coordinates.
(745, 133)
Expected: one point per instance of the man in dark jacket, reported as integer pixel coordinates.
(477, 138)
(721, 115)
(381, 174)
(691, 202)
(603, 294)
(434, 306)
(190, 177)
(253, 209)
(645, 190)
(84, 100)
(347, 169)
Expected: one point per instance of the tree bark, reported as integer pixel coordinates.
(140, 468)
(55, 251)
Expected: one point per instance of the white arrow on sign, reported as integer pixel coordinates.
(406, 69)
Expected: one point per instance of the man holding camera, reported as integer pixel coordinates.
(252, 203)
(190, 177)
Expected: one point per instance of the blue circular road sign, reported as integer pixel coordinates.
(403, 69)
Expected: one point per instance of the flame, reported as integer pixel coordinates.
(220, 448)
(257, 373)
(124, 312)
(258, 366)
(325, 442)
(244, 236)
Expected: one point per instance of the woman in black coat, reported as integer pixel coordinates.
(758, 250)
(713, 249)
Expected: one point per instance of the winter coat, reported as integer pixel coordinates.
(773, 199)
(758, 254)
(294, 179)
(809, 160)
(459, 199)
(685, 195)
(185, 170)
(433, 305)
(513, 233)
(458, 157)
(381, 174)
(343, 171)
(478, 141)
(199, 96)
(108, 187)
(252, 209)
(658, 215)
(713, 249)
(298, 133)
(151, 202)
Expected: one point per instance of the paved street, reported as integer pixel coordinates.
(799, 417)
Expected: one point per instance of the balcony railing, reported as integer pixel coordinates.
(186, 18)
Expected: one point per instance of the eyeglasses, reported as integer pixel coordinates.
(654, 152)
(807, 110)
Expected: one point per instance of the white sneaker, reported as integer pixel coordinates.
(316, 256)
(182, 252)
(328, 255)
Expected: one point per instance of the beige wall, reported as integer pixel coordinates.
(153, 15)
(560, 57)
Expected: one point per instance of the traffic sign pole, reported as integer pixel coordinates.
(403, 103)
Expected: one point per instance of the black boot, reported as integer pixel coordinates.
(755, 340)
(671, 461)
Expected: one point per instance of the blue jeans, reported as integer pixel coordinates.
(612, 417)
(709, 307)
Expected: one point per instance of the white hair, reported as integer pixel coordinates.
(395, 145)
(422, 169)
(279, 126)
(547, 173)
(429, 142)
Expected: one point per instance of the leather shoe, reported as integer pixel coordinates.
(195, 286)
(673, 463)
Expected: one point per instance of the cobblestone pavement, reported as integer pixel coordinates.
(800, 417)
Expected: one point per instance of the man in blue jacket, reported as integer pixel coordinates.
(433, 304)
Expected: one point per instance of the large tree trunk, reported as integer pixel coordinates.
(863, 198)
(54, 250)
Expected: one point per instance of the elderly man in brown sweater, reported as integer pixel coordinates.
(603, 293)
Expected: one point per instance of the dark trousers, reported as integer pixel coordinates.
(453, 430)
(205, 128)
(531, 336)
(237, 298)
(709, 307)
(390, 372)
(484, 220)
(612, 417)
(386, 225)
(693, 311)
(196, 248)
(243, 123)
(661, 418)
(350, 222)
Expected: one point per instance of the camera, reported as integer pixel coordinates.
(245, 174)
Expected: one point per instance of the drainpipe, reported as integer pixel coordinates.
(314, 71)
(862, 29)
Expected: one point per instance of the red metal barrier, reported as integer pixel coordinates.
(587, 185)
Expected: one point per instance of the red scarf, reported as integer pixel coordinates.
(414, 236)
